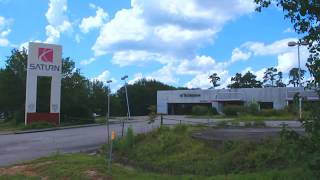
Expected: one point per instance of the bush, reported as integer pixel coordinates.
(233, 110)
(214, 111)
(126, 143)
(174, 151)
(259, 124)
(199, 110)
(18, 116)
(222, 123)
(272, 112)
(252, 108)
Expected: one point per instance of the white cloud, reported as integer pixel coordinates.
(93, 22)
(4, 31)
(103, 77)
(135, 78)
(125, 27)
(288, 30)
(289, 60)
(87, 61)
(169, 28)
(169, 32)
(275, 48)
(197, 65)
(238, 55)
(166, 74)
(57, 19)
(201, 80)
(260, 73)
(77, 38)
(287, 57)
(25, 44)
(4, 42)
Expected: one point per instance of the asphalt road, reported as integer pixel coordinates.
(17, 148)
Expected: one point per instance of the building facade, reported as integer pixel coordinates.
(181, 101)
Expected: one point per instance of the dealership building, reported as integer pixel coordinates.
(179, 102)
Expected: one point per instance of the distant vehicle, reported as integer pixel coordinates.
(96, 115)
(2, 116)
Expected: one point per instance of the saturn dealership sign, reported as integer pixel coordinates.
(43, 60)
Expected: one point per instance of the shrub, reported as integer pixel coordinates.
(18, 116)
(125, 143)
(129, 139)
(259, 124)
(233, 110)
(271, 112)
(247, 124)
(252, 108)
(199, 110)
(222, 123)
(214, 111)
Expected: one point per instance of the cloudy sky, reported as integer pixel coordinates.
(177, 42)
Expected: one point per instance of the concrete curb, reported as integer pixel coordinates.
(63, 127)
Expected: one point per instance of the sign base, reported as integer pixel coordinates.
(53, 118)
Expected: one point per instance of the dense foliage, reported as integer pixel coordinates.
(248, 80)
(174, 151)
(142, 94)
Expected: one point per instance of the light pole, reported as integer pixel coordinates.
(292, 44)
(108, 109)
(128, 108)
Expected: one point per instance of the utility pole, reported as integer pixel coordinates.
(108, 110)
(292, 44)
(127, 99)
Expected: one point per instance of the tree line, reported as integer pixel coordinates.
(272, 78)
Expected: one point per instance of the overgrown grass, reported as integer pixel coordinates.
(174, 151)
(82, 167)
(249, 117)
(171, 153)
(10, 126)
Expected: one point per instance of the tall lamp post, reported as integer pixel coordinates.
(128, 108)
(292, 44)
(108, 109)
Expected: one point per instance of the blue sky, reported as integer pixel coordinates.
(177, 42)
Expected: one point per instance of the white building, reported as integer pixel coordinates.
(181, 101)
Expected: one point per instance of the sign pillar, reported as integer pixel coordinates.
(43, 60)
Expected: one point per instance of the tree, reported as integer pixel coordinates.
(271, 75)
(142, 94)
(294, 76)
(237, 81)
(214, 79)
(248, 80)
(305, 17)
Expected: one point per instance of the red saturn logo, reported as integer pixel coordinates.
(45, 55)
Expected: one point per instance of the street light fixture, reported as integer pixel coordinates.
(292, 44)
(128, 108)
(108, 109)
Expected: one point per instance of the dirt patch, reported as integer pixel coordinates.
(21, 169)
(94, 175)
(26, 170)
